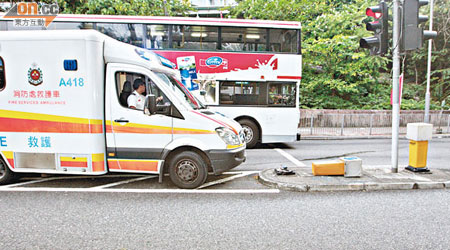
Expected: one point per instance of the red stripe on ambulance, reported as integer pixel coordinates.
(74, 164)
(40, 126)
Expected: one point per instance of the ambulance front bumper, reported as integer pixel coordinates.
(223, 160)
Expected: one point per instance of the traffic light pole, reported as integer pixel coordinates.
(395, 85)
(428, 94)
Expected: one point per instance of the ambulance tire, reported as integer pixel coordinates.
(188, 170)
(6, 175)
(251, 132)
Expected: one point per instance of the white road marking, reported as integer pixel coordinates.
(290, 157)
(68, 178)
(106, 188)
(28, 182)
(238, 175)
(241, 172)
(124, 182)
(150, 191)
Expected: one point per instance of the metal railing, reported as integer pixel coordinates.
(365, 124)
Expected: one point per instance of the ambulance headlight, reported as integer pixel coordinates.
(228, 136)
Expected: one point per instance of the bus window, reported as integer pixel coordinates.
(69, 26)
(241, 93)
(2, 75)
(195, 37)
(128, 33)
(282, 94)
(157, 37)
(243, 39)
(209, 86)
(283, 40)
(226, 93)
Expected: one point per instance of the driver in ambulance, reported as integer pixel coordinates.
(136, 99)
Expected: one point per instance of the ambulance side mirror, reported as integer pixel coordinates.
(150, 104)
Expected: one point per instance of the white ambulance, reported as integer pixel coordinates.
(64, 110)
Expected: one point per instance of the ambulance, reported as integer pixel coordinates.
(64, 110)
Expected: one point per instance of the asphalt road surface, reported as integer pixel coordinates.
(289, 220)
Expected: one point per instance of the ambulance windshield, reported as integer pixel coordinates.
(179, 90)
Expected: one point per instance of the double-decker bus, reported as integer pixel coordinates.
(248, 70)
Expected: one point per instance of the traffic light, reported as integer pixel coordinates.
(377, 44)
(413, 35)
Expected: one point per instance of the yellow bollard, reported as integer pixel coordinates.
(418, 154)
(330, 167)
(419, 134)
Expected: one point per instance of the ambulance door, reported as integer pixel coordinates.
(135, 141)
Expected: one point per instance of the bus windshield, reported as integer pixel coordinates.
(179, 89)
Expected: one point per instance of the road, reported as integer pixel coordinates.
(269, 219)
(289, 220)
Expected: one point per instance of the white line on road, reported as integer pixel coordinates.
(241, 172)
(28, 182)
(68, 178)
(290, 157)
(238, 175)
(124, 182)
(106, 188)
(150, 191)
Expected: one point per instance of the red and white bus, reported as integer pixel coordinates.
(248, 70)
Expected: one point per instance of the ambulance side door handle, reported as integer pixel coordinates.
(121, 120)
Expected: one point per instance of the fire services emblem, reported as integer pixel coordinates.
(35, 75)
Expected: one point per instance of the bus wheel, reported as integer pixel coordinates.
(6, 175)
(251, 132)
(188, 170)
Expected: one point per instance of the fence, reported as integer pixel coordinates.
(365, 124)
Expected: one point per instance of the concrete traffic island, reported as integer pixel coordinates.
(373, 178)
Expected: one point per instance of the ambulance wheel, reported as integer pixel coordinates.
(251, 132)
(6, 175)
(188, 170)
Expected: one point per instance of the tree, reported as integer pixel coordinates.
(128, 7)
(336, 73)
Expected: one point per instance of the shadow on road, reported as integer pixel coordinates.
(272, 146)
